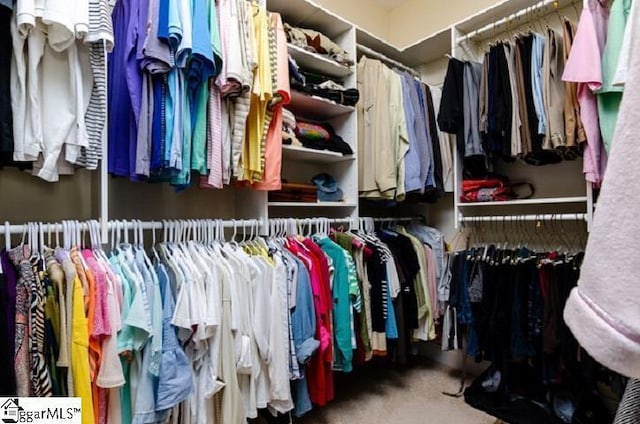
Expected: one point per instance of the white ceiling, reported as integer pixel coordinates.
(390, 4)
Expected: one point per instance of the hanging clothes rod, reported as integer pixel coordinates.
(370, 52)
(129, 225)
(520, 218)
(125, 225)
(505, 20)
(399, 219)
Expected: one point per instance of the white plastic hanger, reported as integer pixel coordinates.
(49, 225)
(93, 242)
(41, 238)
(65, 239)
(125, 227)
(7, 236)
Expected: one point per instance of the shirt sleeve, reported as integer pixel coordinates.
(583, 63)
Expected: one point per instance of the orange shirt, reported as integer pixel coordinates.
(273, 148)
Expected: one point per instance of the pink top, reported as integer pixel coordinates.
(101, 324)
(584, 67)
(273, 153)
(602, 312)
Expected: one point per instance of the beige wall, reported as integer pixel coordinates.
(417, 19)
(364, 13)
(408, 23)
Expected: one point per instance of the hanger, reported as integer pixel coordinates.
(205, 230)
(24, 234)
(457, 236)
(30, 241)
(177, 231)
(119, 234)
(217, 231)
(7, 236)
(138, 224)
(80, 230)
(65, 236)
(92, 236)
(41, 240)
(219, 234)
(178, 228)
(575, 9)
(186, 234)
(134, 228)
(74, 234)
(95, 225)
(221, 231)
(235, 232)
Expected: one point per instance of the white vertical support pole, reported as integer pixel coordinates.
(457, 162)
(104, 166)
(350, 180)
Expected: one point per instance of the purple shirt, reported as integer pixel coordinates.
(121, 130)
(125, 84)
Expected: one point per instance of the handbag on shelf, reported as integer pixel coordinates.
(493, 189)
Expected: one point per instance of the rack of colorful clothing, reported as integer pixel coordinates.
(398, 134)
(508, 290)
(199, 89)
(197, 327)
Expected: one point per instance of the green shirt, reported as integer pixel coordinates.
(610, 96)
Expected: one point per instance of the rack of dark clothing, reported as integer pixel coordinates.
(513, 104)
(511, 303)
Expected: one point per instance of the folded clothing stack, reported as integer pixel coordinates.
(321, 86)
(324, 189)
(317, 42)
(291, 192)
(289, 128)
(321, 137)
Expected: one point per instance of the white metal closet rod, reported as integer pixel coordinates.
(507, 19)
(159, 225)
(346, 220)
(520, 218)
(401, 219)
(126, 225)
(370, 52)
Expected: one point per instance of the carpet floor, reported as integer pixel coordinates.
(407, 395)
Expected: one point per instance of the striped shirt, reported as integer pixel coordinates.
(100, 39)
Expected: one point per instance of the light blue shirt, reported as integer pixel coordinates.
(414, 159)
(303, 324)
(435, 239)
(175, 383)
(427, 168)
(537, 83)
(175, 25)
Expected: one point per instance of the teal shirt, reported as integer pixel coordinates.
(342, 317)
(610, 96)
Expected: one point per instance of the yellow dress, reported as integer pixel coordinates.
(261, 94)
(80, 354)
